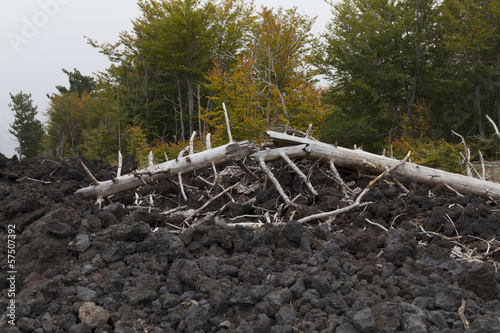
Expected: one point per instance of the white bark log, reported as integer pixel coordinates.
(362, 161)
(224, 154)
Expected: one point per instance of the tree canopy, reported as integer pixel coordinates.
(26, 128)
(385, 56)
(395, 73)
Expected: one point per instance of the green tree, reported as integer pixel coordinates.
(78, 83)
(102, 132)
(159, 68)
(471, 63)
(26, 128)
(378, 53)
(66, 116)
(83, 119)
(177, 35)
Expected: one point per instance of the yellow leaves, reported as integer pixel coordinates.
(413, 137)
(137, 143)
(138, 147)
(255, 105)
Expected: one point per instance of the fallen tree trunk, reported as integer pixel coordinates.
(292, 147)
(234, 151)
(361, 161)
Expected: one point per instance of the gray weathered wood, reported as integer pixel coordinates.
(221, 155)
(364, 162)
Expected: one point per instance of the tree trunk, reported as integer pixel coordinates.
(361, 161)
(190, 86)
(220, 155)
(479, 111)
(292, 147)
(181, 112)
(498, 87)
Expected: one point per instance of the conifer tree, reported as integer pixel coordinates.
(26, 128)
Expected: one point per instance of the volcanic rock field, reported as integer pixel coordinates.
(422, 261)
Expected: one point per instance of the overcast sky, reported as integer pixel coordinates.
(41, 37)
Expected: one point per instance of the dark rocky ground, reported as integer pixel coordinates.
(119, 269)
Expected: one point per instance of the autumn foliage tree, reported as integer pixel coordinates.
(272, 83)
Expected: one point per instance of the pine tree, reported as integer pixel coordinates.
(26, 128)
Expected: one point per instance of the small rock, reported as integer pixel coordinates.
(262, 324)
(220, 222)
(139, 295)
(47, 322)
(346, 328)
(225, 324)
(480, 277)
(286, 316)
(364, 321)
(93, 315)
(26, 324)
(438, 319)
(485, 323)
(86, 269)
(129, 231)
(414, 323)
(298, 288)
(80, 328)
(113, 253)
(81, 243)
(293, 231)
(322, 285)
(278, 299)
(116, 209)
(399, 246)
(58, 229)
(85, 294)
(196, 317)
(164, 243)
(169, 301)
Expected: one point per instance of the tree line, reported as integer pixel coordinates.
(403, 73)
(395, 65)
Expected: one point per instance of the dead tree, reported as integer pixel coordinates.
(230, 152)
(364, 162)
(288, 148)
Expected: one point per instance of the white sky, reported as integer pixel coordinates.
(38, 38)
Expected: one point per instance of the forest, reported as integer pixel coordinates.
(392, 75)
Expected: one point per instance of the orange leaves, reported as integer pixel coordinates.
(414, 137)
(271, 83)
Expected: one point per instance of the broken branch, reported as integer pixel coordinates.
(220, 155)
(210, 201)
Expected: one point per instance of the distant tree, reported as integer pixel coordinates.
(78, 83)
(67, 114)
(26, 128)
(471, 63)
